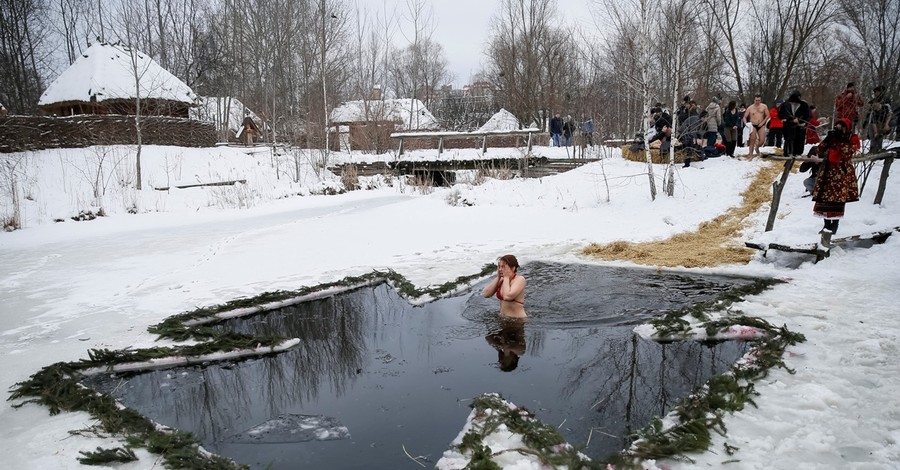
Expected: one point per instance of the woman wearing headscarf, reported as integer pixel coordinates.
(836, 183)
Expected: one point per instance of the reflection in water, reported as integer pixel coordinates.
(400, 376)
(509, 341)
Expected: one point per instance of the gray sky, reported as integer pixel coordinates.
(463, 26)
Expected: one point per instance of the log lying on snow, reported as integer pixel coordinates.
(198, 185)
(178, 361)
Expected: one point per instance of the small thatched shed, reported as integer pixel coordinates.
(227, 113)
(103, 81)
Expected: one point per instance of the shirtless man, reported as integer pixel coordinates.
(509, 288)
(757, 115)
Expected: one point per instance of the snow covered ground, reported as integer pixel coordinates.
(67, 287)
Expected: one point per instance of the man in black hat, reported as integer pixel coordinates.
(795, 114)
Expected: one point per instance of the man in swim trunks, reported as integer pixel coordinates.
(757, 115)
(509, 287)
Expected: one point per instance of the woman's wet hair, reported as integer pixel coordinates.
(507, 361)
(510, 261)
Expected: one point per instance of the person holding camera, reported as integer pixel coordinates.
(836, 182)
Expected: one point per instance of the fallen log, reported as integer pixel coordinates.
(197, 185)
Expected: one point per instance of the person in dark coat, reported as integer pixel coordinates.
(795, 115)
(836, 183)
(587, 132)
(730, 118)
(568, 130)
(556, 128)
(877, 123)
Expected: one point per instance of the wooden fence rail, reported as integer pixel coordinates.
(778, 186)
(462, 135)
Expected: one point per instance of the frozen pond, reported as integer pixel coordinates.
(374, 374)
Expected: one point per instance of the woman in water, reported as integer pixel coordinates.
(509, 287)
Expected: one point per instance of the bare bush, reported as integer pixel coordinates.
(421, 183)
(99, 169)
(350, 177)
(236, 196)
(497, 173)
(10, 175)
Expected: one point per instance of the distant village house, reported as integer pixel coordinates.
(368, 124)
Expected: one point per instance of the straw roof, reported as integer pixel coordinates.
(106, 72)
(409, 114)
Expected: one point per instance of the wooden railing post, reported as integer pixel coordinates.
(882, 182)
(777, 188)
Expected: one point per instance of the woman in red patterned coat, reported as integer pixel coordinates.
(836, 183)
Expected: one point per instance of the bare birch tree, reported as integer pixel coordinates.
(678, 24)
(638, 76)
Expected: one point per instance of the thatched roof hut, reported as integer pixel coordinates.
(102, 81)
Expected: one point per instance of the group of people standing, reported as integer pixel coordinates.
(793, 123)
(562, 130)
(790, 124)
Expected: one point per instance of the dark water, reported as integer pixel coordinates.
(373, 374)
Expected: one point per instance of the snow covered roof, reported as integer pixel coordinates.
(105, 71)
(213, 109)
(410, 114)
(503, 120)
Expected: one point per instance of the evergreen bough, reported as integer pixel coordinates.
(57, 386)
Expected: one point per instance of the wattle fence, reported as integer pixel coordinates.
(21, 133)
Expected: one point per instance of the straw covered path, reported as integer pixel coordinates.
(715, 242)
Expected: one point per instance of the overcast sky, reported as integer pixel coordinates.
(463, 26)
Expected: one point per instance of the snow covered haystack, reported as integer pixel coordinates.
(500, 434)
(503, 120)
(107, 78)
